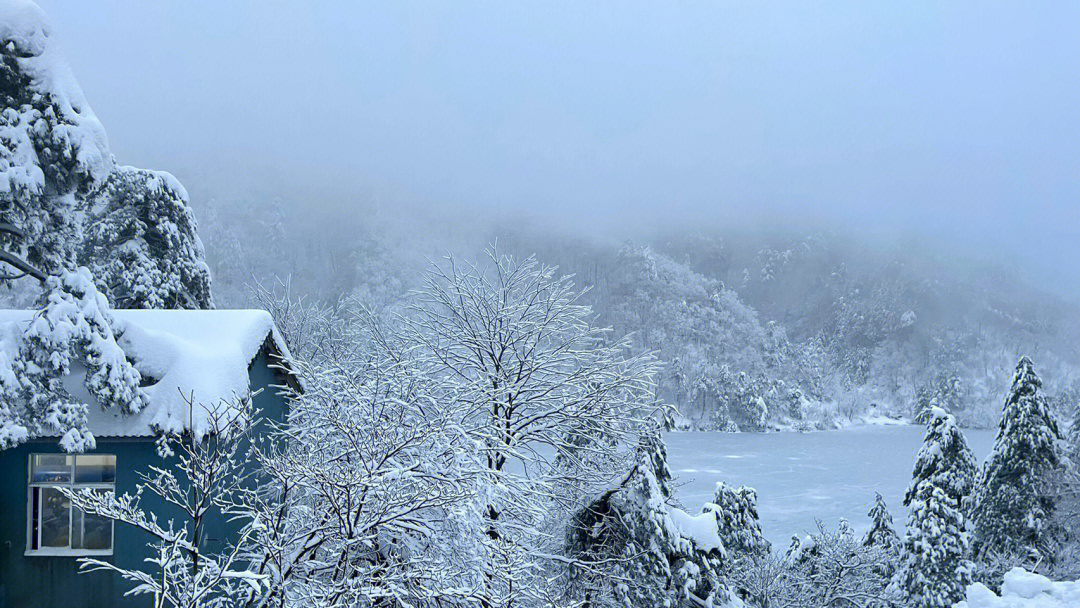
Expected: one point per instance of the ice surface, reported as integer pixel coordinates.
(803, 476)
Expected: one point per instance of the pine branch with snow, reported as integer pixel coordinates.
(74, 331)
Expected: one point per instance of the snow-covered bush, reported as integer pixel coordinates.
(834, 569)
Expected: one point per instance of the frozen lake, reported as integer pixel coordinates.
(802, 476)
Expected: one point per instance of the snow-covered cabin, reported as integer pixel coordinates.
(208, 358)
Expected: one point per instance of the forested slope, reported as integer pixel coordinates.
(755, 330)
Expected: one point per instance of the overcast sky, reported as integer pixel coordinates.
(959, 121)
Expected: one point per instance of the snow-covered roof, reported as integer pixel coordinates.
(201, 355)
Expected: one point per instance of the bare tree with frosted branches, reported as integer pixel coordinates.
(548, 396)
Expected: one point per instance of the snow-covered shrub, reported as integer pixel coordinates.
(833, 569)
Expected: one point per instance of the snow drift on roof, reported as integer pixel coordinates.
(201, 355)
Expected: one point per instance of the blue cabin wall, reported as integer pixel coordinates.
(51, 582)
(46, 581)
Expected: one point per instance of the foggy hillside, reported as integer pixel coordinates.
(756, 329)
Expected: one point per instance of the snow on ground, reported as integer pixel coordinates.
(1023, 589)
(803, 476)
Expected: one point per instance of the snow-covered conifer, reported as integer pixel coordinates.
(735, 510)
(141, 243)
(57, 176)
(1012, 510)
(881, 532)
(53, 150)
(934, 570)
(629, 548)
(651, 445)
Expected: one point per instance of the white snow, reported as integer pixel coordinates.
(1022, 589)
(24, 24)
(701, 529)
(202, 355)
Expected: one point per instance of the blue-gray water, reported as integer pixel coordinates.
(802, 476)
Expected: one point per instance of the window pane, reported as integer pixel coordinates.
(55, 516)
(95, 468)
(90, 531)
(76, 528)
(51, 468)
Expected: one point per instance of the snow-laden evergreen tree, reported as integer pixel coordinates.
(619, 543)
(63, 200)
(72, 333)
(881, 532)
(141, 243)
(1012, 510)
(630, 548)
(54, 160)
(735, 510)
(934, 571)
(651, 443)
(53, 150)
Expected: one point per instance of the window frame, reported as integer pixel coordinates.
(71, 484)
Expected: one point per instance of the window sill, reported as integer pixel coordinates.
(68, 553)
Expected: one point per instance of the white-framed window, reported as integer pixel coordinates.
(54, 527)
